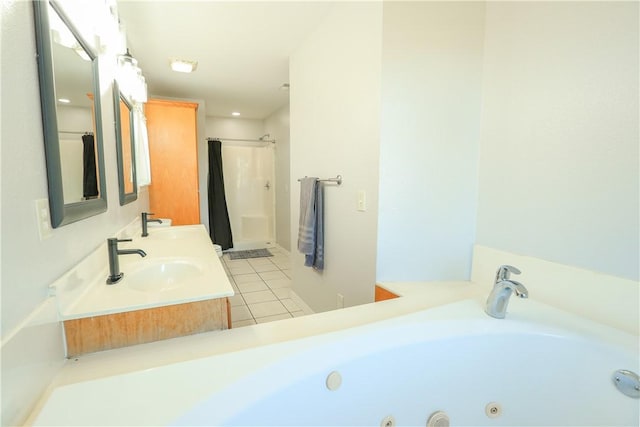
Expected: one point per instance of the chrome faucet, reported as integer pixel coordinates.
(114, 264)
(145, 221)
(503, 287)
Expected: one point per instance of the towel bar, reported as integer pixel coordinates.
(337, 179)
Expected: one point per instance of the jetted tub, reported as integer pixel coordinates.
(539, 366)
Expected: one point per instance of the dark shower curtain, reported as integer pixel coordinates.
(89, 176)
(219, 226)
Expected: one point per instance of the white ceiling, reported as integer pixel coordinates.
(242, 49)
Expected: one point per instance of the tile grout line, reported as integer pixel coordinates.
(254, 271)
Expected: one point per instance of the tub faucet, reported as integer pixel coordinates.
(146, 220)
(114, 264)
(503, 287)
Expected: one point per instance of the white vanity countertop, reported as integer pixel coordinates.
(186, 245)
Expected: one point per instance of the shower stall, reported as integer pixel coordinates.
(249, 180)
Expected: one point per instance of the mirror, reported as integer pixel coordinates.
(70, 104)
(125, 148)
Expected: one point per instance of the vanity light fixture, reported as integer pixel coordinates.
(235, 113)
(63, 38)
(127, 60)
(64, 100)
(61, 35)
(183, 66)
(139, 93)
(81, 53)
(130, 79)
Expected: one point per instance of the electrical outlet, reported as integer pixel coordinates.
(44, 220)
(340, 301)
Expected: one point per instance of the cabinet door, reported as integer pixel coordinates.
(173, 192)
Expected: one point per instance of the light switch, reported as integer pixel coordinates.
(44, 220)
(362, 200)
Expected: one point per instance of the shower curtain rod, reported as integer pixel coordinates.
(75, 132)
(273, 141)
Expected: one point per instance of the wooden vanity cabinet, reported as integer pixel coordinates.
(109, 331)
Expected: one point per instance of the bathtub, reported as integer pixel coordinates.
(539, 366)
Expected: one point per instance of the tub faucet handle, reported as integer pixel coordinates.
(504, 272)
(503, 288)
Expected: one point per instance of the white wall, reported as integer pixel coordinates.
(559, 149)
(431, 86)
(74, 119)
(232, 127)
(277, 125)
(31, 356)
(335, 116)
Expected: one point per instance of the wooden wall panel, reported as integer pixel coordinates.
(172, 128)
(91, 334)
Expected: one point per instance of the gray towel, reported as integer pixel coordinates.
(307, 224)
(317, 259)
(310, 229)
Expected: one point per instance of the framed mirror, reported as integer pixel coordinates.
(125, 147)
(71, 117)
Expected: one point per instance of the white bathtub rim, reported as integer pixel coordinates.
(446, 322)
(455, 317)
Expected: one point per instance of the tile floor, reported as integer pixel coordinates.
(262, 287)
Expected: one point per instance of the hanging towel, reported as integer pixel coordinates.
(307, 224)
(143, 164)
(89, 172)
(317, 262)
(310, 232)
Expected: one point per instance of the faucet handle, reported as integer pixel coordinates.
(116, 240)
(504, 271)
(145, 217)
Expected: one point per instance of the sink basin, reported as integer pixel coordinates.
(162, 276)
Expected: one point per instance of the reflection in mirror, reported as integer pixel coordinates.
(68, 75)
(125, 147)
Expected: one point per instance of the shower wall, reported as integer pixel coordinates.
(249, 189)
(249, 180)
